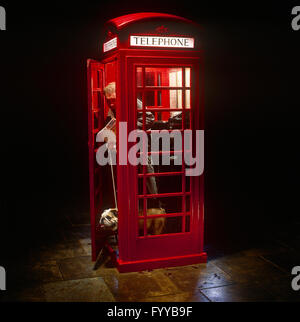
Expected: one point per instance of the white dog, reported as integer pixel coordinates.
(109, 219)
(155, 226)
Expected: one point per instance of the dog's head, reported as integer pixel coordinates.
(109, 219)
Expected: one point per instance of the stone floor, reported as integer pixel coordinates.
(61, 270)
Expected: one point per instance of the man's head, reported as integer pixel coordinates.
(110, 95)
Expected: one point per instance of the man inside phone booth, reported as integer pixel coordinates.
(110, 97)
(151, 182)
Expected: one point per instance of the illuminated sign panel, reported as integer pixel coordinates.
(157, 41)
(109, 45)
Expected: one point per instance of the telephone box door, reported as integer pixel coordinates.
(168, 220)
(95, 77)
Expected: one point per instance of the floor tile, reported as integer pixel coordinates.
(60, 269)
(282, 290)
(193, 277)
(38, 272)
(27, 294)
(237, 293)
(248, 269)
(284, 260)
(80, 267)
(136, 286)
(86, 245)
(79, 232)
(178, 297)
(44, 272)
(265, 249)
(83, 290)
(57, 251)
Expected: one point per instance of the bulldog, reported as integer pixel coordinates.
(155, 226)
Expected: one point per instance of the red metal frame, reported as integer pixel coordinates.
(95, 122)
(123, 21)
(148, 251)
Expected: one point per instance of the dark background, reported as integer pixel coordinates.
(251, 102)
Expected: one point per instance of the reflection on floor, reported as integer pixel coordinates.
(61, 270)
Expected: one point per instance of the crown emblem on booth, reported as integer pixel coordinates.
(161, 29)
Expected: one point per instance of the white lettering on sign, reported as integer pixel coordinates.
(109, 45)
(156, 41)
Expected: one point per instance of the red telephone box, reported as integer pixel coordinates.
(155, 61)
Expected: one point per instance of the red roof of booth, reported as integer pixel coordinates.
(123, 21)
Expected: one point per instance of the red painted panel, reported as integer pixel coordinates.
(138, 252)
(123, 21)
(95, 73)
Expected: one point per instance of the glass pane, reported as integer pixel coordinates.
(96, 120)
(140, 186)
(175, 98)
(173, 225)
(187, 203)
(140, 169)
(155, 226)
(161, 120)
(166, 160)
(158, 99)
(168, 204)
(175, 77)
(175, 120)
(187, 224)
(188, 98)
(152, 121)
(139, 100)
(187, 123)
(139, 77)
(140, 206)
(169, 168)
(187, 184)
(150, 99)
(151, 184)
(164, 98)
(149, 120)
(156, 165)
(187, 77)
(161, 226)
(170, 77)
(165, 142)
(141, 227)
(150, 77)
(163, 184)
